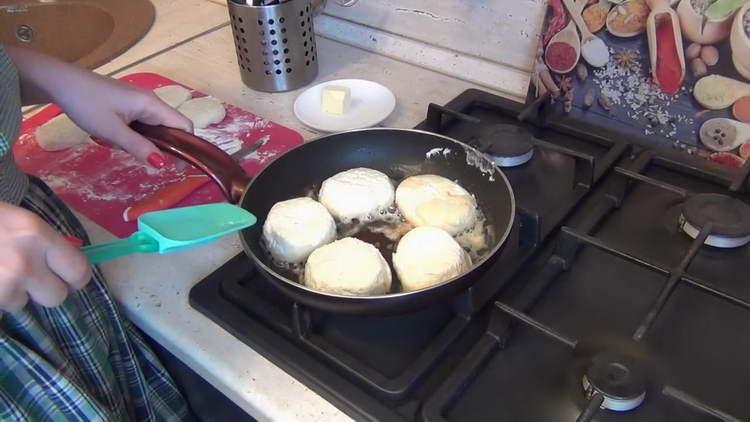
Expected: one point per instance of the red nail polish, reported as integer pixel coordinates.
(74, 241)
(156, 160)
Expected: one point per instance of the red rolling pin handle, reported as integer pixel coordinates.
(165, 197)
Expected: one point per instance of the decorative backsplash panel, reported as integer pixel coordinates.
(490, 43)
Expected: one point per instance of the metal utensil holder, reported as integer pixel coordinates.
(275, 44)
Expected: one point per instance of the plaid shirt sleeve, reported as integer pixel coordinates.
(4, 145)
(80, 361)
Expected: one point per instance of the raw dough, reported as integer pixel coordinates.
(296, 227)
(430, 200)
(427, 256)
(348, 267)
(203, 111)
(359, 193)
(60, 133)
(174, 95)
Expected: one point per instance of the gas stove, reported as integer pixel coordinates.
(619, 296)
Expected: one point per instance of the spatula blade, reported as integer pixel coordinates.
(181, 228)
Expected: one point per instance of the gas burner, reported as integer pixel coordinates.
(618, 379)
(730, 218)
(508, 145)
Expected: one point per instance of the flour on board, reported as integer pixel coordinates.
(114, 181)
(226, 136)
(110, 183)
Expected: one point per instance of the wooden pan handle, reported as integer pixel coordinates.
(210, 159)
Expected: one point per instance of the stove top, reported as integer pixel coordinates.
(618, 297)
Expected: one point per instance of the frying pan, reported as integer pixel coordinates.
(398, 153)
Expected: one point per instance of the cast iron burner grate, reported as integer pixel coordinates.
(386, 368)
(621, 379)
(550, 178)
(614, 381)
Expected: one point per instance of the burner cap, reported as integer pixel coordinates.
(730, 218)
(508, 145)
(618, 379)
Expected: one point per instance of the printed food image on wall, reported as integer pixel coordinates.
(670, 71)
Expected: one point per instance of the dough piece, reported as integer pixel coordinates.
(296, 227)
(348, 267)
(60, 133)
(427, 256)
(430, 200)
(203, 111)
(174, 95)
(357, 193)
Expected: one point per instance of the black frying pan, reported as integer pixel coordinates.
(397, 152)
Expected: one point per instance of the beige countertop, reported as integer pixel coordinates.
(175, 22)
(153, 290)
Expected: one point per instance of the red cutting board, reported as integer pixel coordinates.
(100, 182)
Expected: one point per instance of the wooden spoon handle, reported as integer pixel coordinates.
(657, 5)
(575, 14)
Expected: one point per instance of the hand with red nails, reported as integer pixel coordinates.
(85, 336)
(100, 105)
(36, 262)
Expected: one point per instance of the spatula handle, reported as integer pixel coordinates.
(136, 243)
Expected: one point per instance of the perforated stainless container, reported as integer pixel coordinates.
(275, 44)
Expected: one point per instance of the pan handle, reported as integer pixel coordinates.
(210, 159)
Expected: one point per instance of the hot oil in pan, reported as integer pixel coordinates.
(285, 269)
(383, 230)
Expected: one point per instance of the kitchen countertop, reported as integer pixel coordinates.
(153, 290)
(175, 22)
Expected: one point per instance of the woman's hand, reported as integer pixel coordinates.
(108, 107)
(35, 261)
(100, 105)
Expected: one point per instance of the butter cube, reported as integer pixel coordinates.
(336, 99)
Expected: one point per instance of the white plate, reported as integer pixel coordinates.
(371, 104)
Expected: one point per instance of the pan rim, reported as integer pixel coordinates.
(388, 296)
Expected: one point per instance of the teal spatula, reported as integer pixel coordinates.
(173, 230)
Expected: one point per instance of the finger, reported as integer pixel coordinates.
(157, 112)
(76, 242)
(181, 165)
(67, 262)
(13, 300)
(46, 288)
(135, 144)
